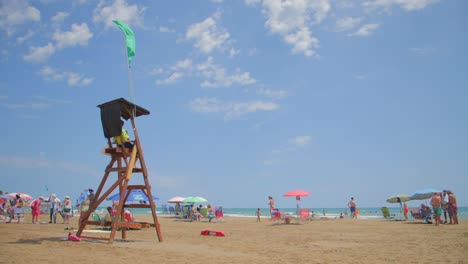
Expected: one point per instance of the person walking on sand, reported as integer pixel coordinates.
(436, 203)
(271, 204)
(258, 215)
(352, 207)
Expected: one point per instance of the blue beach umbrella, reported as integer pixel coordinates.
(424, 194)
(134, 196)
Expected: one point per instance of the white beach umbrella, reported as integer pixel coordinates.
(176, 199)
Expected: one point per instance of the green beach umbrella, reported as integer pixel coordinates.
(194, 199)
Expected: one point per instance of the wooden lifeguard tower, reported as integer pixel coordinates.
(124, 163)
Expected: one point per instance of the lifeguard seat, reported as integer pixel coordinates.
(124, 164)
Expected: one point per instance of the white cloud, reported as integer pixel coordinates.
(79, 35)
(106, 12)
(71, 78)
(345, 4)
(33, 106)
(347, 23)
(173, 78)
(208, 35)
(252, 2)
(15, 13)
(59, 18)
(22, 39)
(233, 52)
(230, 110)
(365, 30)
(50, 100)
(302, 42)
(280, 94)
(292, 20)
(300, 141)
(423, 51)
(39, 54)
(252, 51)
(408, 5)
(39, 102)
(166, 30)
(217, 76)
(214, 75)
(19, 162)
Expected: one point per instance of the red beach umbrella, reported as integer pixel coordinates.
(296, 193)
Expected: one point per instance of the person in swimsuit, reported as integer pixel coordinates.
(453, 208)
(271, 204)
(436, 203)
(352, 207)
(405, 210)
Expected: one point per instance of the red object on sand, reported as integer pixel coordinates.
(212, 233)
(72, 237)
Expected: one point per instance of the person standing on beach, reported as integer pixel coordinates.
(453, 208)
(54, 204)
(36, 209)
(445, 205)
(352, 207)
(271, 204)
(258, 215)
(436, 203)
(67, 210)
(405, 210)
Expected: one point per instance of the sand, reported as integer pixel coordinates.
(246, 241)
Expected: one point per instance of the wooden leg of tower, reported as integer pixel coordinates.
(92, 207)
(119, 213)
(152, 204)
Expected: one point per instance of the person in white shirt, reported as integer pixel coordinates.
(54, 205)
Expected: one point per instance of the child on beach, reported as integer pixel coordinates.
(258, 215)
(67, 210)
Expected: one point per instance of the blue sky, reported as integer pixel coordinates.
(247, 98)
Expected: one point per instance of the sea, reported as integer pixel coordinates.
(370, 213)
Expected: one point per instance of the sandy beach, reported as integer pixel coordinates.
(246, 241)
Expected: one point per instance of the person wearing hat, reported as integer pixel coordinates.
(67, 210)
(36, 209)
(54, 205)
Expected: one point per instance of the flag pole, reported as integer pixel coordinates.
(129, 45)
(130, 79)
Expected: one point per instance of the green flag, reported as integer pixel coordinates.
(129, 39)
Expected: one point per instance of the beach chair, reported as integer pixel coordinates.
(172, 210)
(276, 216)
(204, 212)
(185, 211)
(18, 214)
(418, 214)
(164, 209)
(386, 213)
(304, 215)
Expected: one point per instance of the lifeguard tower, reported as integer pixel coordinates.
(124, 163)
